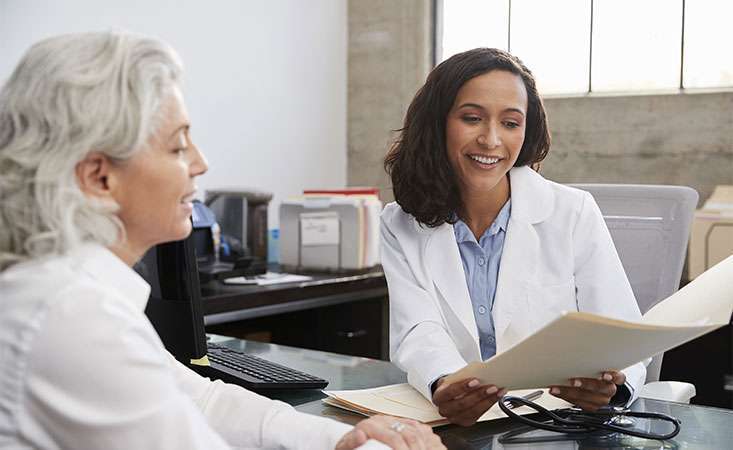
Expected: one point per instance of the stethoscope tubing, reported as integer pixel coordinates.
(573, 421)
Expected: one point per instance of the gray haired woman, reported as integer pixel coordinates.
(97, 166)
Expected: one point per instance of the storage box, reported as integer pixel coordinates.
(711, 240)
(330, 232)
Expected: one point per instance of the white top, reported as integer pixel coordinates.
(81, 367)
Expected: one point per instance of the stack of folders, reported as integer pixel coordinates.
(331, 229)
(555, 353)
(402, 400)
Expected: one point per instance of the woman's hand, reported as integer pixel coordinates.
(590, 393)
(399, 434)
(463, 402)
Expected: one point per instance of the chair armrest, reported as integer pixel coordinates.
(672, 391)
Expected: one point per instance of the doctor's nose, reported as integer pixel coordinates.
(489, 138)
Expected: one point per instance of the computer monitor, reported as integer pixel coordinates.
(174, 307)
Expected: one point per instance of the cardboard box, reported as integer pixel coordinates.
(711, 239)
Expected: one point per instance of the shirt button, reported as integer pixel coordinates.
(482, 309)
(481, 261)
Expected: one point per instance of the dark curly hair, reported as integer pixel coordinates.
(422, 178)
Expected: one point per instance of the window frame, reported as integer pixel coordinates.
(437, 58)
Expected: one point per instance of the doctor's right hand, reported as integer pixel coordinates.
(463, 402)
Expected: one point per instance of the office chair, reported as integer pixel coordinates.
(650, 227)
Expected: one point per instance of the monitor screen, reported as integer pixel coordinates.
(174, 306)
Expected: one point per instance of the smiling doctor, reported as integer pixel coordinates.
(479, 250)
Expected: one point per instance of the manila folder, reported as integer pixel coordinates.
(578, 344)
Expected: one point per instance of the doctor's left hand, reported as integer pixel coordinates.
(590, 394)
(465, 401)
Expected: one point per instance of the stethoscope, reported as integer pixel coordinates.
(575, 422)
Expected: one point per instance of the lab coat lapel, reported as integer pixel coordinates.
(446, 269)
(518, 265)
(532, 202)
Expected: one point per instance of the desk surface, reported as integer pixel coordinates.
(225, 303)
(702, 427)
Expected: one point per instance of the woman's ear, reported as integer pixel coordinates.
(92, 175)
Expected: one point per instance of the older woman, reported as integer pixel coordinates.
(96, 166)
(479, 250)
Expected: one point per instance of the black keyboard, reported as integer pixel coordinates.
(255, 373)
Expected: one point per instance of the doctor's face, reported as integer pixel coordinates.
(485, 129)
(155, 188)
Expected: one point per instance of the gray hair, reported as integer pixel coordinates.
(68, 96)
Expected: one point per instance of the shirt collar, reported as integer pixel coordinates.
(104, 266)
(464, 234)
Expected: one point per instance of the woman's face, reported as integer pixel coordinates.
(155, 187)
(485, 129)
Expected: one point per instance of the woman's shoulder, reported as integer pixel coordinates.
(403, 227)
(53, 301)
(394, 216)
(537, 198)
(569, 195)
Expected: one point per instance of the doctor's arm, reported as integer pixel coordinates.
(421, 345)
(602, 288)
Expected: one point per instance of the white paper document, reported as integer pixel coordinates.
(580, 344)
(402, 400)
(320, 228)
(268, 279)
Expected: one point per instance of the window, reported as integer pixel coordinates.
(708, 37)
(580, 46)
(560, 63)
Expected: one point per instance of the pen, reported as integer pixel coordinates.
(531, 396)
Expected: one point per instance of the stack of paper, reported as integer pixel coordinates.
(402, 400)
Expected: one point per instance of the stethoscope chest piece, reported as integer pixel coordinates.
(622, 421)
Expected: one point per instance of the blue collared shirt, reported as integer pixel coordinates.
(481, 266)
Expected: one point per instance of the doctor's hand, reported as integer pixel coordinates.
(399, 434)
(463, 402)
(590, 393)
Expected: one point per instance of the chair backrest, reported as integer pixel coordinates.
(650, 227)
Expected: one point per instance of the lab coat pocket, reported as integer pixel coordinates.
(548, 301)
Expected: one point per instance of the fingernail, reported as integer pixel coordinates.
(607, 377)
(577, 383)
(473, 383)
(554, 391)
(491, 390)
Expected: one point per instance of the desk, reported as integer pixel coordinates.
(336, 313)
(702, 427)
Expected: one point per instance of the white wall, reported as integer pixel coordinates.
(265, 81)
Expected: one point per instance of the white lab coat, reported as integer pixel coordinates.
(558, 256)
